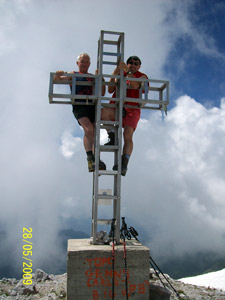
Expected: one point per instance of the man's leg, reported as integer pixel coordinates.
(127, 148)
(128, 140)
(88, 140)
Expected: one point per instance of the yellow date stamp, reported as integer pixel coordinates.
(27, 256)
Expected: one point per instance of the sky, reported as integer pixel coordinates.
(175, 187)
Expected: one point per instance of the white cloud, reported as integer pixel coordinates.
(70, 145)
(176, 170)
(179, 198)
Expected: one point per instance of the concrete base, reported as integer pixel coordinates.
(89, 271)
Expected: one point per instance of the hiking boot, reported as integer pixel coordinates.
(115, 167)
(91, 163)
(111, 136)
(124, 165)
(102, 165)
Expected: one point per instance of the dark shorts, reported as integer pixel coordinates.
(81, 111)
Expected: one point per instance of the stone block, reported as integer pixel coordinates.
(89, 271)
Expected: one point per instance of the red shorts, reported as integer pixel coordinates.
(132, 117)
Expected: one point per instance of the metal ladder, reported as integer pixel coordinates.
(159, 101)
(106, 58)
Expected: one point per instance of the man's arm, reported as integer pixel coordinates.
(135, 84)
(60, 75)
(121, 67)
(112, 88)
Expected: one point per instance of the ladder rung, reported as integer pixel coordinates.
(112, 76)
(107, 197)
(109, 105)
(109, 148)
(116, 123)
(111, 32)
(110, 98)
(106, 202)
(104, 221)
(108, 172)
(107, 127)
(108, 42)
(109, 63)
(112, 53)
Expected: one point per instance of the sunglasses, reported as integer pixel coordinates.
(136, 63)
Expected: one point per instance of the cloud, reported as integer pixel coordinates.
(179, 197)
(70, 145)
(174, 186)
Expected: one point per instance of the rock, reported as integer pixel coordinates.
(9, 280)
(157, 292)
(13, 293)
(40, 276)
(62, 294)
(52, 297)
(22, 289)
(53, 287)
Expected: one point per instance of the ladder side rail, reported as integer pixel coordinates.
(118, 160)
(119, 58)
(97, 126)
(161, 96)
(73, 89)
(94, 208)
(95, 176)
(168, 92)
(117, 205)
(97, 141)
(98, 54)
(50, 88)
(73, 92)
(146, 90)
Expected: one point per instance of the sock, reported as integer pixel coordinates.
(127, 156)
(90, 154)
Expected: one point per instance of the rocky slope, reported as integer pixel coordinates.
(53, 287)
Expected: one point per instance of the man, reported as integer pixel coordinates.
(131, 115)
(85, 114)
